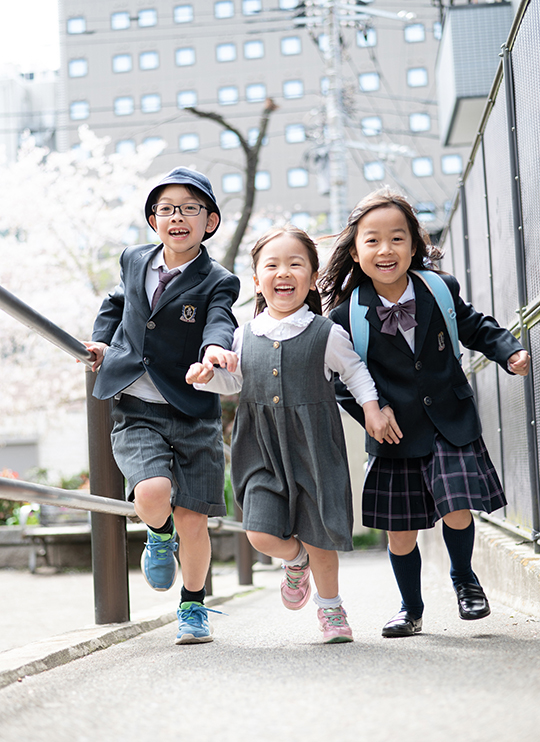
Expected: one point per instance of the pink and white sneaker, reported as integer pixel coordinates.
(295, 587)
(333, 623)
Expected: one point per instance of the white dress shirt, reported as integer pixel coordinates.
(405, 296)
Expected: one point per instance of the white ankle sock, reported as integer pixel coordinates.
(299, 560)
(327, 602)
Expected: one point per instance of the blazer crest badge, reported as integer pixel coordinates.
(188, 313)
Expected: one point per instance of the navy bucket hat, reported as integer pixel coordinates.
(184, 176)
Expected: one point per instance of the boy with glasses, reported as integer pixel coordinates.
(173, 305)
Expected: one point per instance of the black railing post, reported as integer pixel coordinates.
(109, 541)
(244, 554)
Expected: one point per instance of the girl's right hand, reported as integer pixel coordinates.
(200, 373)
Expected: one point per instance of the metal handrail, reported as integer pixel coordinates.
(18, 491)
(44, 327)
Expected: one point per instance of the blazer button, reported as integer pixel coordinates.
(427, 401)
(151, 325)
(146, 361)
(275, 371)
(418, 365)
(275, 399)
(276, 344)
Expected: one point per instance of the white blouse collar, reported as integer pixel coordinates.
(264, 324)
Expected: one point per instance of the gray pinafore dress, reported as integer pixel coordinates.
(289, 466)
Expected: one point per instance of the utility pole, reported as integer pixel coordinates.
(330, 16)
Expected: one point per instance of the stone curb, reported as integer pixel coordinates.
(40, 656)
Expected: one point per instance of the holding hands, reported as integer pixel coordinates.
(381, 424)
(201, 373)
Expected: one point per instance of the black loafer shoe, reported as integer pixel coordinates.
(472, 602)
(402, 624)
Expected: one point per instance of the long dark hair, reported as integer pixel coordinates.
(342, 274)
(313, 299)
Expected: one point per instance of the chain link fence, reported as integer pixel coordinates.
(492, 245)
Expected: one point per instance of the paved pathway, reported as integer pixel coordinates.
(267, 677)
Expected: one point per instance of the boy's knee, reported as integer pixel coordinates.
(151, 491)
(190, 524)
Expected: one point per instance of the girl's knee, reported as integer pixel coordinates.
(459, 519)
(263, 542)
(402, 542)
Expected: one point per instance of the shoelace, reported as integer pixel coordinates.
(189, 614)
(335, 616)
(160, 549)
(293, 578)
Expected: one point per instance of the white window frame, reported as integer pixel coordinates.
(123, 105)
(413, 77)
(224, 9)
(256, 92)
(291, 46)
(297, 177)
(374, 171)
(120, 20)
(254, 44)
(418, 117)
(449, 169)
(151, 103)
(147, 18)
(289, 85)
(76, 25)
(228, 95)
(147, 56)
(422, 167)
(187, 52)
(367, 41)
(251, 7)
(78, 67)
(183, 13)
(371, 126)
(228, 140)
(369, 82)
(189, 142)
(263, 181)
(231, 183)
(414, 33)
(192, 94)
(295, 133)
(223, 52)
(117, 63)
(79, 110)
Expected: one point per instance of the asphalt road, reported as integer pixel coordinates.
(267, 677)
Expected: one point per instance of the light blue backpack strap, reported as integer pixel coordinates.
(359, 326)
(445, 302)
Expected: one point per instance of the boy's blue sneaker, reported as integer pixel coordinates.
(158, 563)
(193, 624)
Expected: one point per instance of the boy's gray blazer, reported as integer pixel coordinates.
(194, 312)
(427, 389)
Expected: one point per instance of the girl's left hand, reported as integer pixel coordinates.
(519, 363)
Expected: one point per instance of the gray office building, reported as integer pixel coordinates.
(131, 68)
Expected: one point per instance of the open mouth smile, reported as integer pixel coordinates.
(284, 290)
(178, 232)
(386, 266)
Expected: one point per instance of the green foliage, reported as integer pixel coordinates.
(228, 492)
(370, 539)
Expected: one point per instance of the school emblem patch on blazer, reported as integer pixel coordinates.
(188, 313)
(440, 339)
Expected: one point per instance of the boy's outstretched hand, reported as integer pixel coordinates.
(519, 363)
(201, 373)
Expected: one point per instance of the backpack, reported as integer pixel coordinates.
(443, 297)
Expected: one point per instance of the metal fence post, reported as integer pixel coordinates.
(109, 540)
(244, 554)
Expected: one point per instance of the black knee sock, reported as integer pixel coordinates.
(167, 527)
(186, 596)
(460, 546)
(407, 570)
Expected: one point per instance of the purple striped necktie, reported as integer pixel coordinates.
(164, 279)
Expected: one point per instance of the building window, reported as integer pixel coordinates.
(451, 164)
(186, 98)
(185, 57)
(371, 126)
(231, 183)
(297, 177)
(288, 4)
(422, 167)
(414, 33)
(124, 106)
(301, 219)
(417, 77)
(228, 95)
(323, 42)
(76, 25)
(229, 140)
(224, 10)
(125, 147)
(291, 45)
(79, 110)
(183, 14)
(253, 50)
(157, 144)
(122, 63)
(78, 67)
(369, 82)
(324, 85)
(188, 142)
(250, 7)
(148, 60)
(366, 38)
(120, 21)
(374, 171)
(262, 181)
(425, 211)
(437, 30)
(419, 122)
(151, 103)
(147, 18)
(256, 92)
(295, 133)
(253, 135)
(226, 52)
(293, 89)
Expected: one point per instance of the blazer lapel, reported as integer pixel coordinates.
(424, 309)
(141, 266)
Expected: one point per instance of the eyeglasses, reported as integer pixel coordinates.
(185, 209)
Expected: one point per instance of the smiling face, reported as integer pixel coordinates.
(181, 235)
(284, 275)
(383, 249)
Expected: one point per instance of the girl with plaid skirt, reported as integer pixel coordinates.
(440, 467)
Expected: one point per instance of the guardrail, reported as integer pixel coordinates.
(108, 526)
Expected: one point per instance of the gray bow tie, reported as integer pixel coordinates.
(397, 314)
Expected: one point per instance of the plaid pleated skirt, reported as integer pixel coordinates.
(411, 494)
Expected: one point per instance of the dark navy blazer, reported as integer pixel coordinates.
(427, 389)
(194, 312)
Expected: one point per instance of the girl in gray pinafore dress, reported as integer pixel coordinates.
(288, 459)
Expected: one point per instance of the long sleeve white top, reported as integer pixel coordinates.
(339, 357)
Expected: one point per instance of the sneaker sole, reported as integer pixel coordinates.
(191, 639)
(158, 589)
(338, 640)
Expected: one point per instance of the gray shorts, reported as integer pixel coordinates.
(155, 440)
